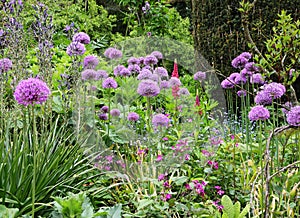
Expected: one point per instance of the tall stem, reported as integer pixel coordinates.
(34, 158)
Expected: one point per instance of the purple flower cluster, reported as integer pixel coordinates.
(132, 116)
(258, 112)
(241, 93)
(148, 88)
(293, 116)
(198, 187)
(113, 53)
(256, 79)
(115, 112)
(90, 62)
(161, 71)
(200, 76)
(102, 74)
(150, 60)
(183, 91)
(75, 48)
(270, 91)
(174, 81)
(109, 83)
(81, 37)
(158, 55)
(89, 75)
(31, 91)
(160, 120)
(146, 8)
(5, 65)
(144, 74)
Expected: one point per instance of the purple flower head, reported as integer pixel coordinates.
(245, 73)
(239, 62)
(90, 62)
(132, 116)
(103, 116)
(109, 83)
(227, 84)
(141, 60)
(258, 112)
(5, 65)
(183, 91)
(275, 90)
(291, 72)
(113, 53)
(287, 107)
(174, 81)
(144, 74)
(125, 72)
(75, 48)
(149, 34)
(133, 60)
(160, 120)
(293, 116)
(150, 59)
(31, 91)
(161, 71)
(239, 79)
(105, 109)
(134, 68)
(241, 93)
(148, 88)
(250, 66)
(200, 76)
(262, 98)
(246, 55)
(89, 75)
(146, 8)
(161, 177)
(159, 158)
(256, 79)
(115, 112)
(147, 67)
(164, 84)
(233, 76)
(101, 74)
(82, 38)
(158, 55)
(118, 69)
(154, 77)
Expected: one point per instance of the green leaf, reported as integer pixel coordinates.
(144, 203)
(8, 212)
(245, 211)
(237, 209)
(228, 206)
(115, 211)
(180, 180)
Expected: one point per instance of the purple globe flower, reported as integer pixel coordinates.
(109, 83)
(89, 75)
(241, 93)
(239, 62)
(101, 74)
(227, 84)
(31, 91)
(5, 65)
(134, 68)
(81, 37)
(103, 116)
(183, 91)
(174, 81)
(275, 90)
(90, 62)
(259, 112)
(132, 116)
(115, 112)
(157, 54)
(240, 80)
(144, 74)
(125, 72)
(148, 88)
(245, 73)
(287, 107)
(293, 116)
(75, 48)
(133, 60)
(118, 69)
(161, 71)
(113, 53)
(164, 84)
(200, 76)
(246, 55)
(250, 66)
(262, 98)
(154, 77)
(256, 79)
(105, 109)
(160, 120)
(233, 76)
(141, 60)
(150, 59)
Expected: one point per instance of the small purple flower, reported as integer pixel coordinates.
(157, 54)
(167, 184)
(160, 120)
(293, 116)
(174, 81)
(89, 75)
(287, 107)
(133, 60)
(241, 93)
(31, 91)
(103, 116)
(134, 68)
(141, 60)
(240, 80)
(132, 116)
(183, 91)
(81, 37)
(125, 72)
(148, 88)
(200, 76)
(113, 53)
(75, 48)
(291, 73)
(164, 84)
(246, 55)
(161, 177)
(245, 73)
(146, 8)
(161, 71)
(159, 158)
(118, 69)
(5, 65)
(115, 112)
(256, 79)
(250, 66)
(101, 74)
(144, 74)
(227, 84)
(275, 90)
(262, 98)
(239, 62)
(109, 83)
(150, 59)
(90, 62)
(105, 109)
(258, 112)
(149, 34)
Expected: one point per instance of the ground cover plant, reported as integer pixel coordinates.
(136, 129)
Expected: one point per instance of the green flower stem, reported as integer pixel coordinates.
(148, 114)
(34, 143)
(109, 117)
(261, 162)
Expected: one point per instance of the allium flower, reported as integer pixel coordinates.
(241, 93)
(246, 55)
(250, 66)
(245, 73)
(161, 71)
(133, 60)
(90, 61)
(5, 65)
(200, 76)
(287, 107)
(89, 74)
(240, 80)
(148, 88)
(103, 116)
(75, 48)
(105, 109)
(82, 38)
(141, 60)
(113, 53)
(132, 116)
(164, 84)
(239, 62)
(134, 68)
(275, 90)
(150, 59)
(109, 83)
(31, 91)
(174, 82)
(157, 54)
(125, 72)
(101, 74)
(154, 77)
(258, 113)
(115, 112)
(227, 84)
(293, 116)
(118, 69)
(144, 74)
(256, 79)
(183, 91)
(262, 98)
(160, 120)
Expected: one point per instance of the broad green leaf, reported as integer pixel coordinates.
(245, 211)
(228, 206)
(144, 203)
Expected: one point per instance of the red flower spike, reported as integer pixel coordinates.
(175, 70)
